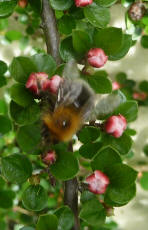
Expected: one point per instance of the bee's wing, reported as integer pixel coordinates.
(106, 104)
(68, 92)
(71, 70)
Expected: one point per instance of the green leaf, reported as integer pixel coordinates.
(13, 35)
(88, 150)
(47, 222)
(6, 198)
(100, 83)
(109, 39)
(24, 116)
(106, 3)
(86, 196)
(27, 228)
(65, 218)
(93, 213)
(66, 49)
(66, 165)
(110, 203)
(21, 95)
(16, 168)
(144, 180)
(106, 106)
(61, 4)
(81, 41)
(145, 150)
(21, 68)
(88, 134)
(66, 24)
(3, 24)
(104, 158)
(144, 41)
(2, 81)
(5, 124)
(126, 44)
(7, 7)
(122, 144)
(128, 109)
(44, 63)
(2, 182)
(29, 138)
(36, 5)
(144, 86)
(97, 15)
(3, 67)
(121, 77)
(3, 107)
(121, 175)
(121, 195)
(130, 132)
(34, 198)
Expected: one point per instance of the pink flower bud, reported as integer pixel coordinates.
(37, 82)
(96, 57)
(116, 85)
(115, 125)
(55, 83)
(81, 3)
(50, 158)
(139, 96)
(97, 182)
(23, 3)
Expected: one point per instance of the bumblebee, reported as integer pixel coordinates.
(72, 107)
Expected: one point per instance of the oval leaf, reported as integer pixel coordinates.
(61, 4)
(16, 168)
(88, 134)
(28, 138)
(66, 165)
(104, 158)
(109, 39)
(47, 221)
(97, 15)
(34, 198)
(5, 124)
(93, 213)
(21, 95)
(24, 116)
(7, 7)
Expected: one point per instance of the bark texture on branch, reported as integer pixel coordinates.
(52, 37)
(71, 196)
(71, 199)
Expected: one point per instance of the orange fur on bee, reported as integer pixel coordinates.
(63, 123)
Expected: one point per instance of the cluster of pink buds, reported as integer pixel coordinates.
(49, 158)
(96, 57)
(38, 82)
(97, 182)
(82, 3)
(115, 125)
(139, 96)
(116, 85)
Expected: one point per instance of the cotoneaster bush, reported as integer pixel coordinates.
(47, 182)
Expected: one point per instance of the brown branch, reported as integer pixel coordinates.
(71, 196)
(52, 37)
